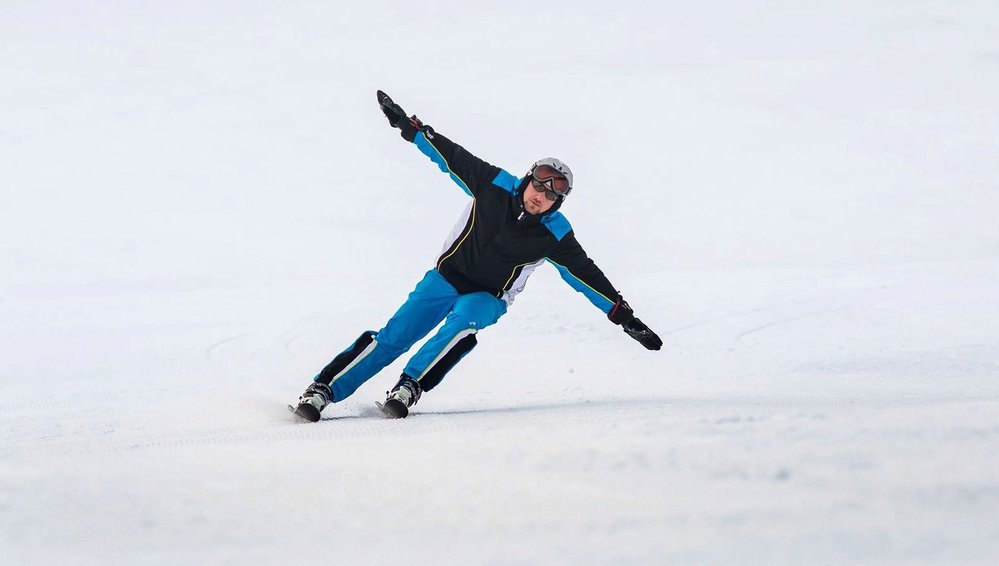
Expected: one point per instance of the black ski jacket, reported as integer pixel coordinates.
(497, 244)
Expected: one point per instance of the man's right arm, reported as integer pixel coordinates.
(466, 170)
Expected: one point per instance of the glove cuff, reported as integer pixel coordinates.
(621, 313)
(410, 126)
(407, 130)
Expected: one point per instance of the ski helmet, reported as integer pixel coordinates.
(559, 168)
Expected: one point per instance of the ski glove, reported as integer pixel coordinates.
(397, 119)
(392, 111)
(623, 315)
(645, 336)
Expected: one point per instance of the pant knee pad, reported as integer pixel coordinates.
(436, 372)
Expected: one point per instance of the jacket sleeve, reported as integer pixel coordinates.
(468, 171)
(583, 275)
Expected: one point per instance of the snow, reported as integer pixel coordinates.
(202, 204)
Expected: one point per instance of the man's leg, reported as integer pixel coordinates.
(455, 339)
(421, 312)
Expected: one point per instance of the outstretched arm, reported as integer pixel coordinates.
(466, 170)
(583, 275)
(579, 271)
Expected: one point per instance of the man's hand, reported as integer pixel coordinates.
(393, 111)
(637, 330)
(397, 119)
(623, 315)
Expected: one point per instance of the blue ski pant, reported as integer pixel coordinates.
(433, 300)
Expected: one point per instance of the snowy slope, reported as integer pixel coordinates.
(201, 205)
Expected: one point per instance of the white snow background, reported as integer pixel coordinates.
(201, 204)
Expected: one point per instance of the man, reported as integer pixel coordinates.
(510, 227)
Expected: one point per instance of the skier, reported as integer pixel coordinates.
(510, 226)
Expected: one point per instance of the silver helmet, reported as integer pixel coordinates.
(560, 167)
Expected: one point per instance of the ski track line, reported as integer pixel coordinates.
(736, 314)
(293, 339)
(771, 307)
(367, 424)
(119, 436)
(779, 322)
(713, 320)
(210, 351)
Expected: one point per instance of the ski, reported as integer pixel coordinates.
(306, 412)
(393, 409)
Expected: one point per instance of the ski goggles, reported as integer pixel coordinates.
(547, 179)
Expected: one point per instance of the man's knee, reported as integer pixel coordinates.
(462, 320)
(475, 319)
(477, 311)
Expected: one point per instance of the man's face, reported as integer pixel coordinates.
(535, 201)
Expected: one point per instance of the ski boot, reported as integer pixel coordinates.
(313, 401)
(405, 394)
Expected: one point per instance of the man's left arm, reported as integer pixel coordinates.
(465, 169)
(583, 275)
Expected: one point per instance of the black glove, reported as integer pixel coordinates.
(623, 315)
(637, 330)
(393, 111)
(397, 119)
